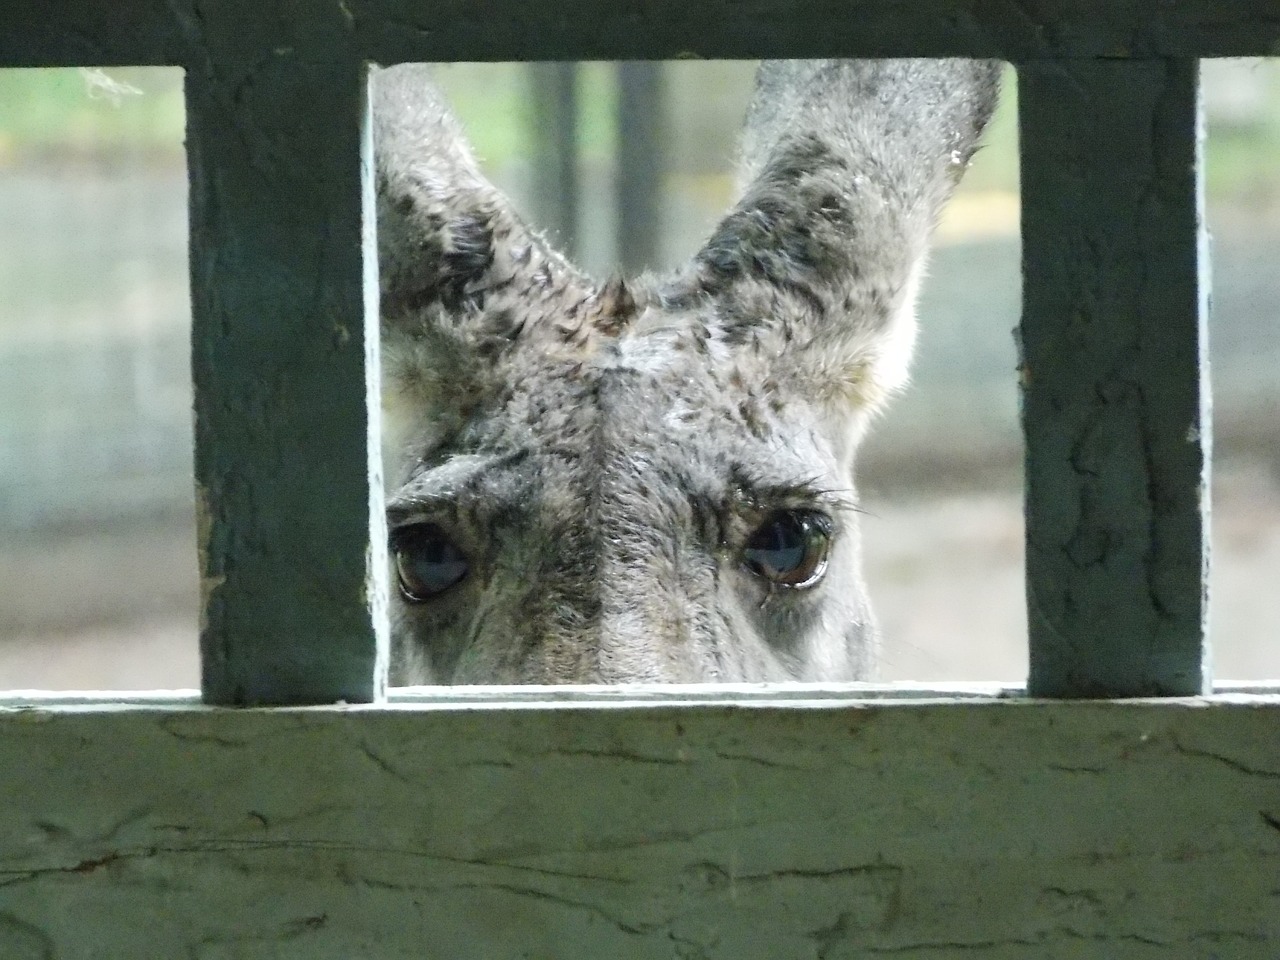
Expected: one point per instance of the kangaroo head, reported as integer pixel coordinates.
(653, 480)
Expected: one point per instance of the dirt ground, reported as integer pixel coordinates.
(118, 611)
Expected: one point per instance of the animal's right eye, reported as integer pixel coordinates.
(790, 548)
(428, 562)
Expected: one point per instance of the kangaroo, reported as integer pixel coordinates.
(651, 479)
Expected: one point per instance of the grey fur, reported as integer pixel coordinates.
(601, 453)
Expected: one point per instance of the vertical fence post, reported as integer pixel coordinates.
(1114, 377)
(284, 344)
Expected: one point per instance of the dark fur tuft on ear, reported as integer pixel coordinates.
(614, 308)
(846, 165)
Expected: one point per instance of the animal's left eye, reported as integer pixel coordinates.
(790, 548)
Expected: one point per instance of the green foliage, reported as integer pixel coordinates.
(68, 113)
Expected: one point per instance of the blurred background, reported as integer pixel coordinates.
(97, 541)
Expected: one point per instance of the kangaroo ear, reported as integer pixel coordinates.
(847, 164)
(463, 280)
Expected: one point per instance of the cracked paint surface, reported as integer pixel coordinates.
(1115, 378)
(1003, 828)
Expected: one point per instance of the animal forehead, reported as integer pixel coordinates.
(593, 430)
(549, 485)
(617, 397)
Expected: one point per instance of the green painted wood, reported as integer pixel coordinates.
(284, 340)
(1006, 830)
(392, 30)
(796, 695)
(89, 32)
(85, 33)
(1114, 378)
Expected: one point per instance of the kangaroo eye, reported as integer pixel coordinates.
(790, 548)
(427, 561)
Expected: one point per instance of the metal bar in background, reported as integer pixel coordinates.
(641, 163)
(284, 340)
(1115, 377)
(557, 173)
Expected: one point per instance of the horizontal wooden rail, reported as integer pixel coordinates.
(996, 829)
(179, 32)
(634, 695)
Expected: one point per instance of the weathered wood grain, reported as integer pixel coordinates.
(1130, 831)
(89, 32)
(83, 33)
(1114, 378)
(664, 29)
(283, 286)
